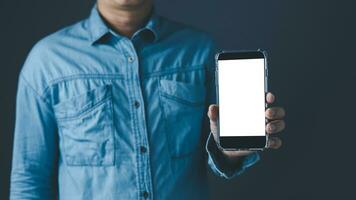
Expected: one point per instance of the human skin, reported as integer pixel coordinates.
(275, 124)
(125, 16)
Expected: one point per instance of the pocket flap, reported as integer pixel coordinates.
(194, 93)
(79, 104)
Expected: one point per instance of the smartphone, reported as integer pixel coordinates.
(241, 80)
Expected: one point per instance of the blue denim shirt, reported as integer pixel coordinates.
(103, 116)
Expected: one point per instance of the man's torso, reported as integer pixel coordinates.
(129, 112)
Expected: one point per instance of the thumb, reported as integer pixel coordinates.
(213, 112)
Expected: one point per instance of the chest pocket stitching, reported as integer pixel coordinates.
(80, 104)
(86, 109)
(188, 93)
(180, 100)
(194, 106)
(82, 144)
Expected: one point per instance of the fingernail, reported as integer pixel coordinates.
(271, 97)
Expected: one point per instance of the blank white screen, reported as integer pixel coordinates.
(241, 97)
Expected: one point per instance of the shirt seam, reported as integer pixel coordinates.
(27, 83)
(81, 76)
(174, 70)
(118, 76)
(38, 95)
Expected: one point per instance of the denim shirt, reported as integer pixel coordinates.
(103, 116)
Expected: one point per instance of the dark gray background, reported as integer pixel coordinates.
(312, 72)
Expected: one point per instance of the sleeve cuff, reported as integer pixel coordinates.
(220, 166)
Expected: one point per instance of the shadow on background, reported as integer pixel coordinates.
(312, 72)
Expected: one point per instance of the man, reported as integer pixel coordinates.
(114, 107)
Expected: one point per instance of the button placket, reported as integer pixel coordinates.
(141, 132)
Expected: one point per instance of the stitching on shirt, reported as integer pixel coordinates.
(174, 70)
(33, 89)
(183, 101)
(122, 76)
(79, 76)
(44, 100)
(85, 111)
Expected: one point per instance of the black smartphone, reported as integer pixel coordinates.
(241, 80)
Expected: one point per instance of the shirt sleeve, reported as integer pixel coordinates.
(33, 173)
(219, 164)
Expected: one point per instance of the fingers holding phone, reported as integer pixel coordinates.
(243, 121)
(275, 122)
(241, 85)
(274, 116)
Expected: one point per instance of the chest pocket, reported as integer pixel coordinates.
(85, 123)
(183, 107)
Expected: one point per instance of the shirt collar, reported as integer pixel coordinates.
(97, 28)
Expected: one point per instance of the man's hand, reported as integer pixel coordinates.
(274, 116)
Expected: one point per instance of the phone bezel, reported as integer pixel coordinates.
(236, 143)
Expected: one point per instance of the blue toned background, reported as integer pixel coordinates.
(312, 72)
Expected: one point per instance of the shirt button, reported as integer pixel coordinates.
(143, 149)
(136, 104)
(130, 59)
(145, 194)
